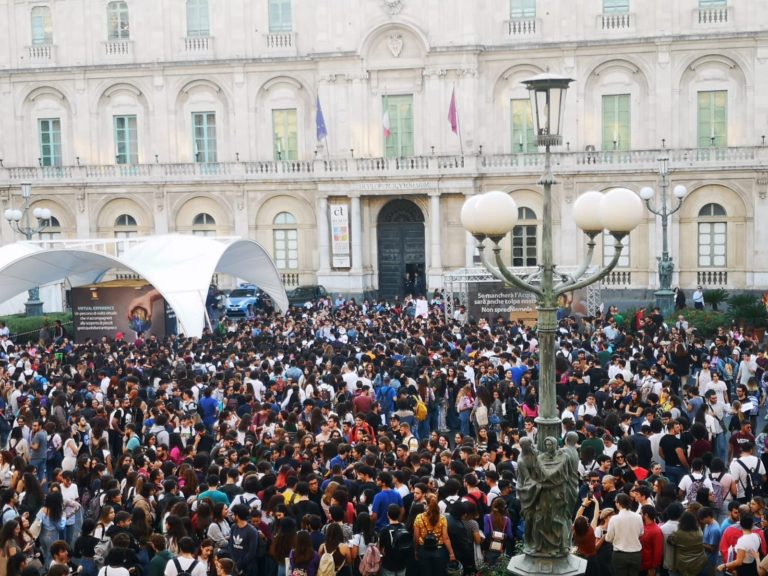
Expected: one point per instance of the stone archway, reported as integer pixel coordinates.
(401, 249)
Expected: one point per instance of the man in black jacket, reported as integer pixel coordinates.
(460, 540)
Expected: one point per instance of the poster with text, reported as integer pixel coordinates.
(490, 300)
(340, 247)
(103, 310)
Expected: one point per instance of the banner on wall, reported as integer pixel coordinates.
(340, 246)
(491, 300)
(126, 306)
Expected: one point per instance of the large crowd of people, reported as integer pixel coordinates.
(361, 439)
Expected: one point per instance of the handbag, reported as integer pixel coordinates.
(35, 528)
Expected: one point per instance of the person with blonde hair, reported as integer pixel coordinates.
(431, 540)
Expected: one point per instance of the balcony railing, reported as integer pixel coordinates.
(117, 48)
(712, 278)
(198, 44)
(280, 41)
(615, 21)
(618, 279)
(713, 16)
(41, 53)
(530, 164)
(521, 27)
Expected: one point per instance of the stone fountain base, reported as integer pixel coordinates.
(524, 565)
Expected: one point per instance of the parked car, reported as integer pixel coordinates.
(243, 296)
(303, 294)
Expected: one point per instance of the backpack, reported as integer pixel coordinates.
(717, 496)
(693, 489)
(421, 411)
(402, 542)
(482, 507)
(371, 562)
(101, 550)
(327, 565)
(184, 572)
(94, 506)
(294, 571)
(481, 414)
(754, 485)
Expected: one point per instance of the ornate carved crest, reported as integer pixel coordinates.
(392, 6)
(395, 44)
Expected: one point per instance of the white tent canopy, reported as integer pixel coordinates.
(180, 267)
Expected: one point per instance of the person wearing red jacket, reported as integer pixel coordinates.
(734, 532)
(361, 428)
(652, 541)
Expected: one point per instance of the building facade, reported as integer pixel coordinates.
(201, 116)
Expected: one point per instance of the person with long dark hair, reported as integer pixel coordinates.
(303, 555)
(53, 521)
(283, 543)
(336, 545)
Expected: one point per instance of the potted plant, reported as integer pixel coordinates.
(715, 297)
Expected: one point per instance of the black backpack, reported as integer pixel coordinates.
(754, 485)
(182, 572)
(402, 542)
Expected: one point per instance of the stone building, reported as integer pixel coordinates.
(133, 117)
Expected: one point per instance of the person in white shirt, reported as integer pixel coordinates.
(624, 532)
(743, 466)
(185, 561)
(697, 475)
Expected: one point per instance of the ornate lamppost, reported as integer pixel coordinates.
(20, 222)
(548, 487)
(665, 297)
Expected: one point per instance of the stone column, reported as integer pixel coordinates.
(435, 275)
(322, 236)
(357, 235)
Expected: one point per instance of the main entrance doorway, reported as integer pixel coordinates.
(401, 249)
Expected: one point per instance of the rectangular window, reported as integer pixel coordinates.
(197, 18)
(280, 16)
(524, 246)
(712, 244)
(523, 137)
(713, 119)
(616, 122)
(204, 127)
(117, 16)
(522, 9)
(126, 140)
(713, 3)
(121, 247)
(400, 141)
(285, 134)
(42, 25)
(286, 249)
(609, 249)
(615, 6)
(50, 141)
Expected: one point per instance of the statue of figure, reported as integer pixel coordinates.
(547, 488)
(528, 489)
(665, 273)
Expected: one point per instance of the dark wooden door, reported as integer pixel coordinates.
(400, 245)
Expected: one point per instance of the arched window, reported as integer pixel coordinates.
(197, 18)
(204, 225)
(52, 231)
(524, 239)
(713, 236)
(125, 228)
(42, 26)
(117, 21)
(285, 237)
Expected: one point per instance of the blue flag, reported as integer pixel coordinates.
(322, 131)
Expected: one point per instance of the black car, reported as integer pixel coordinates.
(303, 294)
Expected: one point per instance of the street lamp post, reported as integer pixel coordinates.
(20, 222)
(491, 216)
(665, 297)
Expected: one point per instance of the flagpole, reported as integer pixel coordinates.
(458, 123)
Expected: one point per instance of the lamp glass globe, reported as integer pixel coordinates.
(469, 216)
(622, 210)
(586, 211)
(8, 214)
(46, 214)
(497, 212)
(37, 212)
(646, 193)
(680, 191)
(17, 215)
